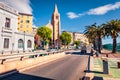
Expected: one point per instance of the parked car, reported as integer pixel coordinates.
(83, 49)
(41, 48)
(52, 50)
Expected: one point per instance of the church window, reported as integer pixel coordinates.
(57, 17)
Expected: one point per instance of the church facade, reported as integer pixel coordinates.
(55, 27)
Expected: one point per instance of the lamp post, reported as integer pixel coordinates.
(24, 43)
(12, 47)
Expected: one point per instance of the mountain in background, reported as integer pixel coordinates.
(109, 46)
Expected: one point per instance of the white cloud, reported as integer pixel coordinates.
(104, 9)
(96, 11)
(34, 26)
(22, 6)
(72, 15)
(62, 29)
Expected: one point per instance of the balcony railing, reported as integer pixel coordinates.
(6, 29)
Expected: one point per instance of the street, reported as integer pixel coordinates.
(70, 67)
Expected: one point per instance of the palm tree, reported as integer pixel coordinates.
(95, 33)
(90, 32)
(100, 33)
(112, 28)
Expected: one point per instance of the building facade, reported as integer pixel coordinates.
(10, 38)
(34, 30)
(76, 36)
(80, 37)
(25, 22)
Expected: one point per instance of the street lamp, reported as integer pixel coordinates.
(12, 47)
(24, 42)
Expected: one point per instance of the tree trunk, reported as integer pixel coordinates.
(99, 44)
(94, 45)
(114, 45)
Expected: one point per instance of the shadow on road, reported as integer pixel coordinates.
(93, 72)
(77, 53)
(21, 76)
(97, 78)
(94, 78)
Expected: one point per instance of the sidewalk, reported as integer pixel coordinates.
(110, 54)
(96, 67)
(90, 74)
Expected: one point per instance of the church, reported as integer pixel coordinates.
(54, 25)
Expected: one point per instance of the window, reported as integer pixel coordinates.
(27, 26)
(27, 31)
(22, 16)
(27, 16)
(7, 23)
(21, 21)
(20, 43)
(57, 17)
(21, 26)
(6, 43)
(27, 21)
(29, 44)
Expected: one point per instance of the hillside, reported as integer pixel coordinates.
(109, 46)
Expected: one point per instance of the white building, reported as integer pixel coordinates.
(10, 38)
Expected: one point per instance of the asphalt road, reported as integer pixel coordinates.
(70, 67)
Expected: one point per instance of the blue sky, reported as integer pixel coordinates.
(75, 14)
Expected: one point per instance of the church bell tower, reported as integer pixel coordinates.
(56, 27)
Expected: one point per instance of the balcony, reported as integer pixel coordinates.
(6, 30)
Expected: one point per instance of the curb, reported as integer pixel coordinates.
(89, 74)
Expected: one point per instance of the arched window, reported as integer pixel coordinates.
(29, 44)
(20, 43)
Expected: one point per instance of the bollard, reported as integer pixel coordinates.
(97, 54)
(118, 64)
(105, 66)
(3, 61)
(21, 58)
(106, 55)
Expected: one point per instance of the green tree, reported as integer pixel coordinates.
(45, 33)
(65, 38)
(77, 43)
(112, 28)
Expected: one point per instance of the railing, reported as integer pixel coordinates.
(6, 29)
(12, 52)
(3, 58)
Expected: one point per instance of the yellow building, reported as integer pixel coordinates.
(25, 22)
